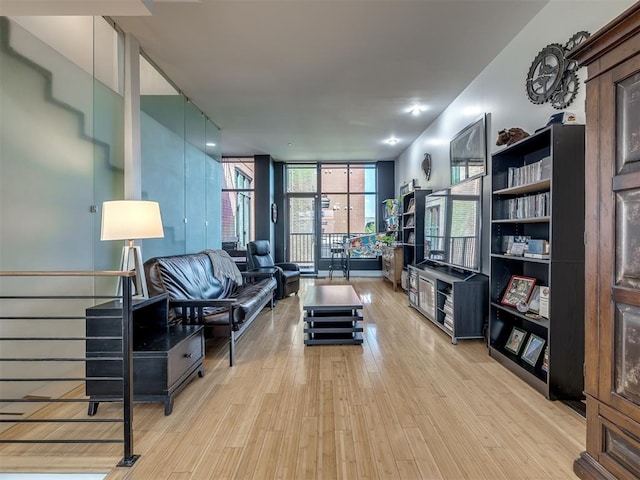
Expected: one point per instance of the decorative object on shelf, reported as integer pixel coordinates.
(468, 151)
(562, 117)
(517, 249)
(426, 166)
(552, 77)
(532, 351)
(508, 241)
(274, 213)
(515, 341)
(511, 136)
(409, 187)
(519, 289)
(129, 220)
(534, 301)
(543, 308)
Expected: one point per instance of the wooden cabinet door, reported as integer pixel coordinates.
(619, 238)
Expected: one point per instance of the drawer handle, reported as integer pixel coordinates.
(187, 355)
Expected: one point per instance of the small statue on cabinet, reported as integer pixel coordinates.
(511, 136)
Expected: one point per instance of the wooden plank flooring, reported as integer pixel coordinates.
(407, 404)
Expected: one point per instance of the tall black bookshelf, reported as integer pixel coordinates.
(538, 192)
(412, 224)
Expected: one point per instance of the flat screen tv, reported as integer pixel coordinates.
(452, 222)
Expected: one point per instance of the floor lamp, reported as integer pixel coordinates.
(129, 220)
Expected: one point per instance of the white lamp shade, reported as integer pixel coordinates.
(130, 219)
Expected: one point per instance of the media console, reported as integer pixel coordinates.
(455, 302)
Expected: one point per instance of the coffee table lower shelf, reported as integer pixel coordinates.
(333, 328)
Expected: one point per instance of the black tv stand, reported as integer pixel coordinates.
(453, 300)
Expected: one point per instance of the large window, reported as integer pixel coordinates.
(237, 201)
(348, 199)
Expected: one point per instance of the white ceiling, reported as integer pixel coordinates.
(332, 77)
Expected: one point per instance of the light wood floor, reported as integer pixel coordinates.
(407, 404)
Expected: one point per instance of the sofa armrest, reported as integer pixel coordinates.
(193, 309)
(214, 302)
(291, 267)
(259, 274)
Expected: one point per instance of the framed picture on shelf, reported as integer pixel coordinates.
(532, 351)
(519, 290)
(468, 151)
(534, 301)
(515, 341)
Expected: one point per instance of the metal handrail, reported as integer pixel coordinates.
(126, 338)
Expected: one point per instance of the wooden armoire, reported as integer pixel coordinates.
(612, 242)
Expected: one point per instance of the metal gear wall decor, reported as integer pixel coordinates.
(566, 91)
(552, 77)
(545, 73)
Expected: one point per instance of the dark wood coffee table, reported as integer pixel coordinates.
(333, 315)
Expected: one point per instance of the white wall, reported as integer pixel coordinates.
(500, 88)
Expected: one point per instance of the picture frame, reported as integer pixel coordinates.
(519, 290)
(468, 151)
(533, 349)
(534, 300)
(515, 340)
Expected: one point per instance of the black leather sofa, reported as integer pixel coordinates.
(259, 259)
(208, 289)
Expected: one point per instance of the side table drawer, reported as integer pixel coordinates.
(184, 356)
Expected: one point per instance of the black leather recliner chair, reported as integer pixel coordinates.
(287, 274)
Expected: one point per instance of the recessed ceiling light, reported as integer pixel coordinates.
(391, 141)
(289, 144)
(211, 144)
(417, 109)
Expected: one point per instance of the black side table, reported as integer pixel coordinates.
(165, 358)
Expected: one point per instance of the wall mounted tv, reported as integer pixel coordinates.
(452, 221)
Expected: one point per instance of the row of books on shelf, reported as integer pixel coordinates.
(447, 308)
(532, 173)
(527, 297)
(448, 323)
(529, 206)
(411, 208)
(534, 348)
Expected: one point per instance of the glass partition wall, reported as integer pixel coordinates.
(181, 167)
(61, 155)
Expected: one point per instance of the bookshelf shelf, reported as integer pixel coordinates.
(528, 188)
(523, 220)
(520, 259)
(556, 151)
